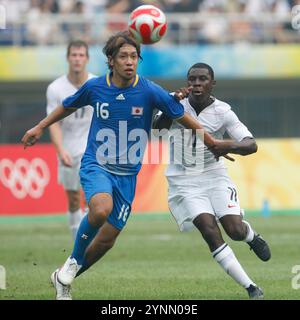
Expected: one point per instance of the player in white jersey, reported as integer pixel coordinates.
(202, 194)
(69, 136)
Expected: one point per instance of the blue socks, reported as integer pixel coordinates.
(86, 233)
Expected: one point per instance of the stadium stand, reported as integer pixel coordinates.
(190, 21)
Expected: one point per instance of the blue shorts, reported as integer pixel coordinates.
(94, 180)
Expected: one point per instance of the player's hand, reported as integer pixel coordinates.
(32, 136)
(65, 158)
(222, 148)
(182, 93)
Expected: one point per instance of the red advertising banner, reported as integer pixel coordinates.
(28, 180)
(28, 183)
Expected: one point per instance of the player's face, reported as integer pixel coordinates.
(77, 59)
(125, 62)
(201, 81)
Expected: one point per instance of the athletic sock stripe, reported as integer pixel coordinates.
(225, 245)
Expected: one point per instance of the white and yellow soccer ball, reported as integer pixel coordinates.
(147, 24)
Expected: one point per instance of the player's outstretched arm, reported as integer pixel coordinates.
(246, 146)
(190, 123)
(161, 120)
(34, 134)
(213, 145)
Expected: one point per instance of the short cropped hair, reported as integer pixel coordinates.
(115, 42)
(77, 44)
(203, 66)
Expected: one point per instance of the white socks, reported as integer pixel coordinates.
(228, 261)
(74, 219)
(250, 232)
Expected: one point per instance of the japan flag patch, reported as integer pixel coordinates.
(137, 111)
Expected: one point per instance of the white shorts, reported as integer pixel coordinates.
(69, 176)
(211, 192)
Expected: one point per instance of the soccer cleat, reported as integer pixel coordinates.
(254, 292)
(68, 271)
(62, 292)
(260, 247)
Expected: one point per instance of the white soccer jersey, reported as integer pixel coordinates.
(216, 119)
(75, 128)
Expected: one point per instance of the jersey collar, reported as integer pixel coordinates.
(136, 80)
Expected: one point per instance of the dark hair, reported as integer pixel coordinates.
(115, 42)
(77, 44)
(203, 66)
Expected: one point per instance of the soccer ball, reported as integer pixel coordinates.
(147, 24)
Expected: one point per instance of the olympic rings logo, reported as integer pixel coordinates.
(25, 177)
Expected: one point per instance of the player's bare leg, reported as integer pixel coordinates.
(100, 206)
(206, 224)
(240, 230)
(103, 241)
(75, 213)
(222, 253)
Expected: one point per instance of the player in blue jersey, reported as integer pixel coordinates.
(123, 105)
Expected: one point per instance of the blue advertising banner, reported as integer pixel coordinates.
(170, 62)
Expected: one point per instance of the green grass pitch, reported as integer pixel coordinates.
(151, 260)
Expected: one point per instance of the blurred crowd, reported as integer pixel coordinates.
(40, 27)
(19, 7)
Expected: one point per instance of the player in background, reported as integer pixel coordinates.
(123, 104)
(201, 195)
(69, 135)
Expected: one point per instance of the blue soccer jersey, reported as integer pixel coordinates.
(121, 122)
